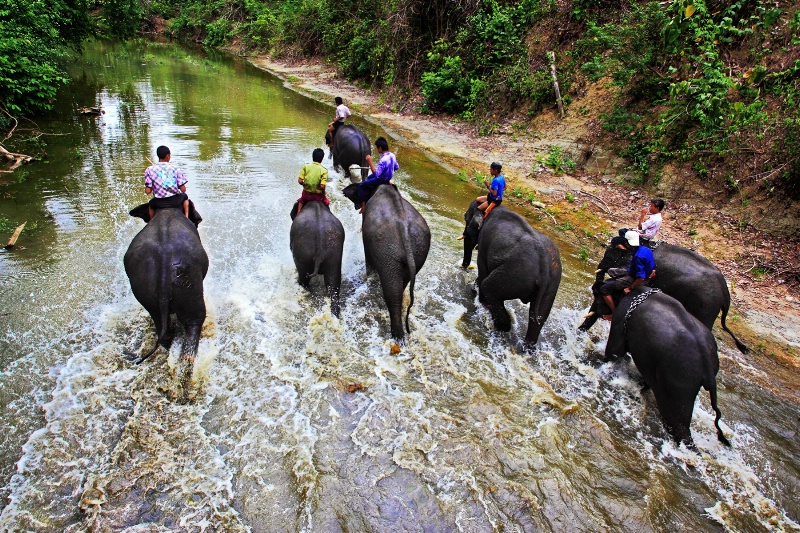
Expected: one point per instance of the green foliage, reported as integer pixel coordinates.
(583, 253)
(556, 160)
(217, 32)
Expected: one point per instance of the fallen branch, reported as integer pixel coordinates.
(13, 240)
(605, 206)
(548, 214)
(18, 159)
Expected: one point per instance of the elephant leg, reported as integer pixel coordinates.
(192, 340)
(539, 311)
(487, 291)
(304, 277)
(393, 287)
(333, 282)
(676, 405)
(166, 339)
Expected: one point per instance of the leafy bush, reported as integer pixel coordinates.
(217, 32)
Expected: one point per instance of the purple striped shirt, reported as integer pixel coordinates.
(165, 179)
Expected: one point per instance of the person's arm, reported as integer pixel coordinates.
(370, 163)
(148, 190)
(323, 181)
(642, 216)
(182, 188)
(636, 283)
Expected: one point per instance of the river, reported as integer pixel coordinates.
(459, 432)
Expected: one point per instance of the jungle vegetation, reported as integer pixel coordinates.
(712, 84)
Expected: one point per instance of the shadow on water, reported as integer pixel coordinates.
(303, 421)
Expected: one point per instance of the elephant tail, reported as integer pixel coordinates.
(725, 306)
(712, 390)
(164, 289)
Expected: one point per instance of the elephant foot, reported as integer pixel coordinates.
(500, 317)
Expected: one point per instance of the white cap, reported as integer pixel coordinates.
(632, 237)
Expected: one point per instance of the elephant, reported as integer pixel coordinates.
(683, 274)
(350, 147)
(166, 264)
(316, 239)
(514, 261)
(396, 243)
(675, 353)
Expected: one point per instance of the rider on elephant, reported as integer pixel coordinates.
(383, 173)
(494, 198)
(642, 268)
(342, 112)
(167, 184)
(647, 228)
(313, 178)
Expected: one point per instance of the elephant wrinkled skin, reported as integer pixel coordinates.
(514, 261)
(316, 239)
(166, 264)
(675, 353)
(396, 243)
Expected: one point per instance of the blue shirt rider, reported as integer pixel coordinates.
(642, 268)
(383, 173)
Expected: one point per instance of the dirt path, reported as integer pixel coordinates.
(596, 199)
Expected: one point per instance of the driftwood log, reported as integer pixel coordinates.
(13, 240)
(18, 159)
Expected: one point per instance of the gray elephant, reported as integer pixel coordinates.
(350, 147)
(166, 264)
(396, 244)
(514, 261)
(675, 353)
(683, 274)
(316, 239)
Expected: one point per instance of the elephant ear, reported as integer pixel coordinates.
(141, 211)
(351, 193)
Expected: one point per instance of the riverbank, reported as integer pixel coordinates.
(595, 199)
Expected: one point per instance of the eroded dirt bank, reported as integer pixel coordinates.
(596, 200)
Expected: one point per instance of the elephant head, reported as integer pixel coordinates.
(473, 220)
(351, 193)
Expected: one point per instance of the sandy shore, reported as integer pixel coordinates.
(766, 313)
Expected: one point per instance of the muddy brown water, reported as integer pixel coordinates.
(459, 432)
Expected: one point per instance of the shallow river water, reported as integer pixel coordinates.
(459, 432)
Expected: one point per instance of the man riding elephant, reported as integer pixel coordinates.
(623, 280)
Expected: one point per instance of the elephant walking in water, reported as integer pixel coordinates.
(166, 264)
(685, 275)
(316, 239)
(514, 261)
(675, 353)
(396, 244)
(350, 147)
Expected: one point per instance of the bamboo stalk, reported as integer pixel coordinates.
(13, 240)
(555, 83)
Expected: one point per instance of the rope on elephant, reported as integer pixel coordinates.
(655, 244)
(636, 302)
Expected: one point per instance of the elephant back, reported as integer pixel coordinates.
(350, 147)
